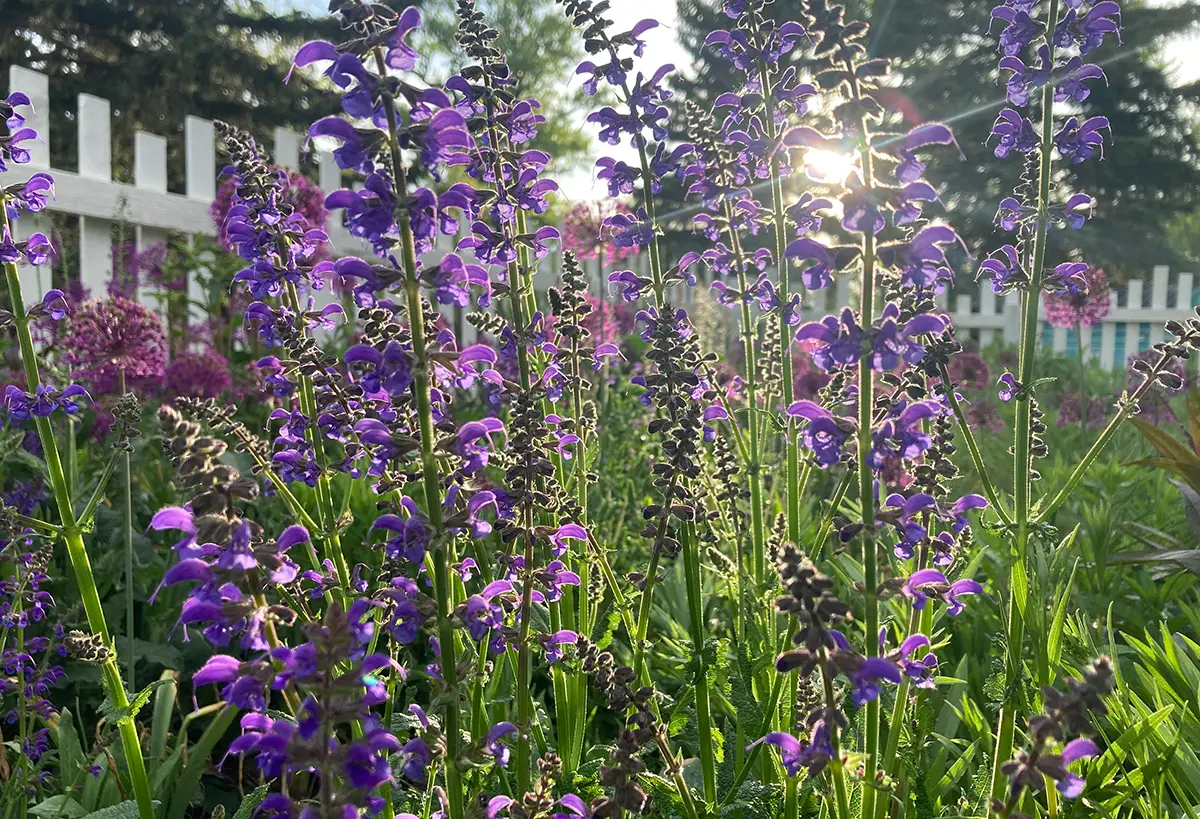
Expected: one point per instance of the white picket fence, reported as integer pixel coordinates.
(91, 195)
(1133, 322)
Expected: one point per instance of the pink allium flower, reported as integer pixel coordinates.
(969, 371)
(110, 335)
(609, 321)
(1088, 308)
(983, 415)
(581, 231)
(203, 374)
(1069, 411)
(807, 380)
(304, 197)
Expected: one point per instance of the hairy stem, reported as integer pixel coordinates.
(127, 498)
(695, 598)
(866, 488)
(1022, 467)
(430, 474)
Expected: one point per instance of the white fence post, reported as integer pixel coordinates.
(200, 163)
(95, 162)
(1133, 328)
(287, 149)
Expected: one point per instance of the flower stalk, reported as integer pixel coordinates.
(1022, 485)
(77, 552)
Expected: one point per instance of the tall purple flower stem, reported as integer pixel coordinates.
(866, 487)
(1022, 487)
(431, 473)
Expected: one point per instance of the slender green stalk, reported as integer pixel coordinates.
(643, 621)
(866, 489)
(783, 286)
(430, 470)
(325, 509)
(695, 598)
(836, 766)
(76, 551)
(85, 516)
(524, 698)
(128, 504)
(1006, 725)
(964, 429)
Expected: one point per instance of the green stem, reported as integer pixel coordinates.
(325, 509)
(128, 503)
(430, 471)
(76, 551)
(989, 489)
(866, 489)
(1006, 726)
(695, 598)
(836, 766)
(1044, 510)
(524, 698)
(643, 621)
(783, 286)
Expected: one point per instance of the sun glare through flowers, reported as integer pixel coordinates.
(828, 166)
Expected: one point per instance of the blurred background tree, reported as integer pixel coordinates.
(157, 61)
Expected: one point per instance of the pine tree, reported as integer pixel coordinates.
(157, 61)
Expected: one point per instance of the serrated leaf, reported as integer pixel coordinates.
(126, 714)
(123, 810)
(252, 801)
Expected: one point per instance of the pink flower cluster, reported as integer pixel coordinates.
(114, 335)
(581, 231)
(1086, 308)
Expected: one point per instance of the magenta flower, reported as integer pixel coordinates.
(203, 374)
(115, 335)
(1086, 308)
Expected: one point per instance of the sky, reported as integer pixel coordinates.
(1182, 55)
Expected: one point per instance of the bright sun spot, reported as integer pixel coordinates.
(828, 166)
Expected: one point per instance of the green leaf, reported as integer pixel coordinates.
(1054, 639)
(60, 805)
(252, 801)
(164, 706)
(124, 810)
(70, 751)
(126, 714)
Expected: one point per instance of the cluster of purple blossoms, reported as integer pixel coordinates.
(1064, 76)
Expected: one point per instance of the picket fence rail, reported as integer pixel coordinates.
(90, 194)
